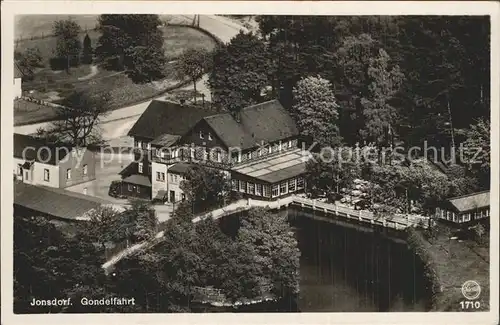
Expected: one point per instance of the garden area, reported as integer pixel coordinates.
(53, 85)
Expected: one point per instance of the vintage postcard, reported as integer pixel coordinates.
(249, 162)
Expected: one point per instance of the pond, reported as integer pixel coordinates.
(349, 270)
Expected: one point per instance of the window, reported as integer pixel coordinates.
(218, 156)
(141, 165)
(276, 190)
(487, 212)
(258, 189)
(460, 218)
(138, 189)
(19, 170)
(171, 177)
(260, 152)
(158, 176)
(466, 217)
(243, 186)
(454, 217)
(300, 183)
(162, 177)
(275, 148)
(148, 146)
(46, 175)
(191, 152)
(270, 149)
(234, 184)
(250, 188)
(290, 144)
(139, 144)
(209, 136)
(284, 188)
(266, 191)
(280, 146)
(26, 175)
(130, 188)
(183, 197)
(85, 170)
(292, 185)
(68, 173)
(201, 135)
(176, 178)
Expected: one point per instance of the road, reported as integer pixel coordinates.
(118, 122)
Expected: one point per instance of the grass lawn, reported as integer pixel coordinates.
(52, 85)
(455, 262)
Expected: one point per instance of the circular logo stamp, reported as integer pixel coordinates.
(471, 289)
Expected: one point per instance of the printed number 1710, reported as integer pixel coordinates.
(470, 304)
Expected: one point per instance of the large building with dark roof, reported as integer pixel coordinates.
(160, 126)
(465, 209)
(259, 149)
(39, 163)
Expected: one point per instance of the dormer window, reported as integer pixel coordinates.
(202, 136)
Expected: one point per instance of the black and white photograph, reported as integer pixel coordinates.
(295, 163)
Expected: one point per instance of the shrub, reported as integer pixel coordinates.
(115, 189)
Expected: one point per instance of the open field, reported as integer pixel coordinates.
(27, 26)
(52, 86)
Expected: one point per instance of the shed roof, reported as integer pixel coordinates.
(55, 202)
(275, 168)
(180, 168)
(138, 180)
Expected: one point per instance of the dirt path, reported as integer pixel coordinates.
(93, 72)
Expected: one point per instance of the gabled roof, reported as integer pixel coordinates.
(55, 202)
(265, 122)
(164, 117)
(471, 201)
(29, 148)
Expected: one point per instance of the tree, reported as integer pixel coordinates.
(275, 248)
(316, 110)
(478, 141)
(49, 263)
(328, 173)
(206, 188)
(352, 63)
(145, 63)
(192, 64)
(78, 117)
(87, 49)
(68, 43)
(134, 43)
(102, 226)
(240, 73)
(29, 60)
(144, 219)
(379, 114)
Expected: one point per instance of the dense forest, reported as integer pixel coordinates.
(431, 72)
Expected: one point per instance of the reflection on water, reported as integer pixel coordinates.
(347, 270)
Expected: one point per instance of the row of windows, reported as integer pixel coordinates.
(46, 173)
(277, 147)
(283, 188)
(455, 217)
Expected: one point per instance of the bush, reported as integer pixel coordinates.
(115, 189)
